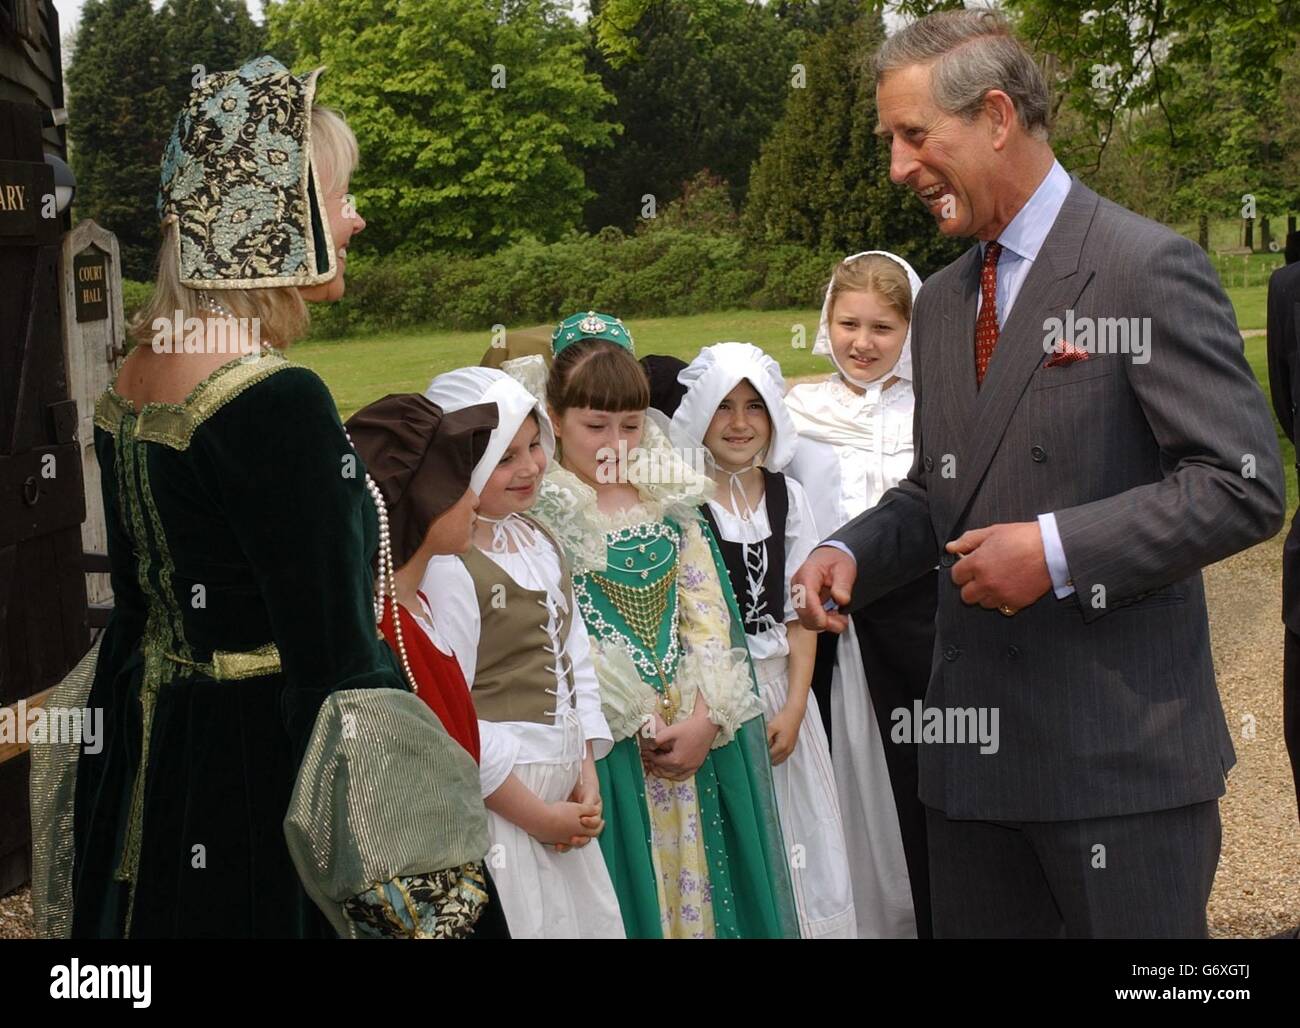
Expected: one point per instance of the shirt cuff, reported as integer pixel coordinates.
(1055, 554)
(595, 730)
(498, 753)
(836, 544)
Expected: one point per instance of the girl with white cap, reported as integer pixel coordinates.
(734, 409)
(506, 608)
(855, 442)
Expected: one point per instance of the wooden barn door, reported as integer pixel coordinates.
(43, 624)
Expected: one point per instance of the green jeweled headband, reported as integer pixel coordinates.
(591, 325)
(238, 182)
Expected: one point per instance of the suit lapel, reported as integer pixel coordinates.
(957, 354)
(1054, 283)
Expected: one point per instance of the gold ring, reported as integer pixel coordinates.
(1006, 611)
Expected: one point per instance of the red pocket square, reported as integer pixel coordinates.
(1065, 352)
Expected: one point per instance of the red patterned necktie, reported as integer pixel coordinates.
(986, 325)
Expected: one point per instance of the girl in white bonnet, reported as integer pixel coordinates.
(855, 442)
(733, 407)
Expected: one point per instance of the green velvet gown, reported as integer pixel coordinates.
(240, 549)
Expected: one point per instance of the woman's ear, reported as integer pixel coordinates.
(555, 421)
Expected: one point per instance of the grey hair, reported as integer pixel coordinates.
(971, 52)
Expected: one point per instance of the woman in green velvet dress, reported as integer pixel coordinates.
(692, 838)
(243, 681)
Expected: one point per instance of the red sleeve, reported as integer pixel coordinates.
(438, 678)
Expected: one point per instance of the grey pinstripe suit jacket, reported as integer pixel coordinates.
(1106, 700)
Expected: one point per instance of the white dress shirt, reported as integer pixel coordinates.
(1021, 241)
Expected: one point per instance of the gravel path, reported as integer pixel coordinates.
(1257, 890)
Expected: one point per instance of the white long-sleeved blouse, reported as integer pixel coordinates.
(845, 472)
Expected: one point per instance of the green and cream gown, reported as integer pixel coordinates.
(701, 858)
(247, 694)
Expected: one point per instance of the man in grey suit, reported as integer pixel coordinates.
(1088, 437)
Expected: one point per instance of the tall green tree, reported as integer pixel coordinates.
(820, 16)
(698, 87)
(823, 178)
(1239, 172)
(204, 36)
(1288, 137)
(119, 115)
(471, 116)
(1201, 77)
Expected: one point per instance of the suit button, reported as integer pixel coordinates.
(927, 463)
(948, 559)
(1013, 652)
(1038, 453)
(951, 653)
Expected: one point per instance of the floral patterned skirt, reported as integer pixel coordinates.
(693, 859)
(680, 861)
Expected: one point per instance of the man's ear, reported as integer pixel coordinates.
(1002, 116)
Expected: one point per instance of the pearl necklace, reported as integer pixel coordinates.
(216, 308)
(387, 580)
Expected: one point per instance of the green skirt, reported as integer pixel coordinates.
(748, 876)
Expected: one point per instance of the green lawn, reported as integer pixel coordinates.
(1251, 303)
(358, 370)
(1257, 354)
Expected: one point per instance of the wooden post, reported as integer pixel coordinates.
(93, 334)
(43, 616)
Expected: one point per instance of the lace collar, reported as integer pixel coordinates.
(669, 486)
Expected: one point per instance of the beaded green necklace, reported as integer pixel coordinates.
(633, 597)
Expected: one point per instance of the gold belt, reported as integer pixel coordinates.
(227, 665)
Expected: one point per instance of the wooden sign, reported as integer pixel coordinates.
(93, 333)
(90, 284)
(19, 204)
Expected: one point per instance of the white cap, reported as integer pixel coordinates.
(465, 387)
(712, 375)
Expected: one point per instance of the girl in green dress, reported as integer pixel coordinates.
(692, 838)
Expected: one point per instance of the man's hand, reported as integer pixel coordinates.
(1001, 565)
(827, 574)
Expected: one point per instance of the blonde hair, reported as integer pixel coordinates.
(280, 310)
(873, 273)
